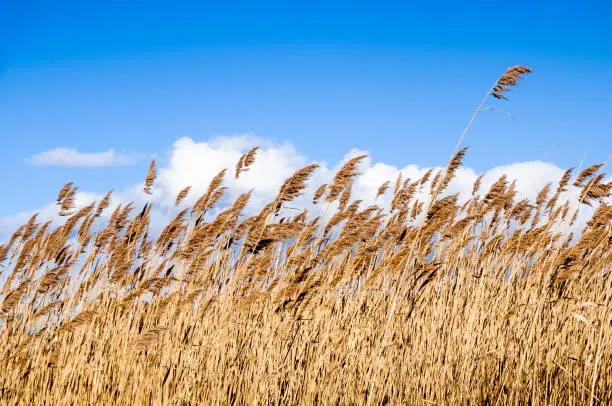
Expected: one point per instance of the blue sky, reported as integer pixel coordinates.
(399, 80)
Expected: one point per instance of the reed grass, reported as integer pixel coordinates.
(426, 302)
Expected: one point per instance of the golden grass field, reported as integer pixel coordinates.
(426, 302)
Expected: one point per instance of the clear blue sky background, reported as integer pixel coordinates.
(399, 79)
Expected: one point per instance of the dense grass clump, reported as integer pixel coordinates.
(428, 301)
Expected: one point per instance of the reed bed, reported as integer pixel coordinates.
(428, 301)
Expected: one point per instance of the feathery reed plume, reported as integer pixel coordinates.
(213, 194)
(30, 227)
(67, 204)
(150, 178)
(398, 183)
(182, 195)
(345, 197)
(85, 317)
(477, 184)
(294, 186)
(543, 195)
(4, 250)
(63, 191)
(382, 189)
(586, 174)
(246, 161)
(426, 177)
(343, 177)
(435, 180)
(594, 190)
(564, 180)
(148, 338)
(13, 297)
(508, 79)
(319, 193)
(451, 168)
(104, 203)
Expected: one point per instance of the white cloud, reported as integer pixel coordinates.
(193, 163)
(196, 163)
(73, 158)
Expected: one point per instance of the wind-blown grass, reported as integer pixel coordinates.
(426, 302)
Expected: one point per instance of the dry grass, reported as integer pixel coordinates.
(484, 302)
